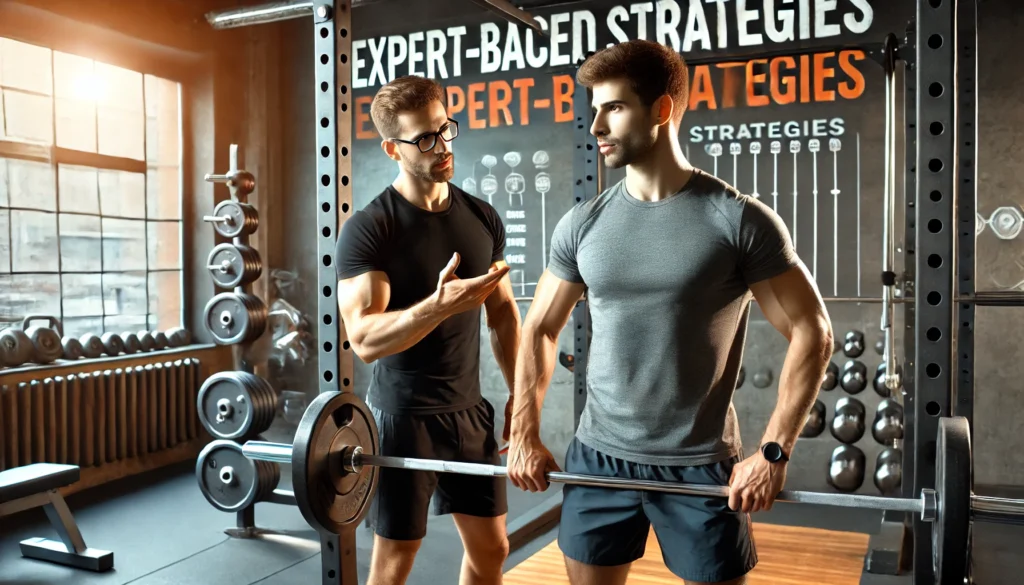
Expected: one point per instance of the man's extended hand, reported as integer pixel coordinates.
(755, 482)
(528, 463)
(455, 295)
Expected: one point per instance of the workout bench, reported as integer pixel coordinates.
(30, 486)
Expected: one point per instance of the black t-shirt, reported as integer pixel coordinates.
(412, 245)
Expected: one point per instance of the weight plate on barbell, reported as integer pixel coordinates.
(230, 480)
(953, 482)
(236, 405)
(232, 265)
(330, 498)
(234, 318)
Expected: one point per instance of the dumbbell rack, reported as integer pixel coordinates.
(234, 266)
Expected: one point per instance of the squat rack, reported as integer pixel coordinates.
(940, 130)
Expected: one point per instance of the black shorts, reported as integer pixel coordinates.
(700, 538)
(400, 506)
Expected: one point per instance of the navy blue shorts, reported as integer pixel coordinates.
(701, 539)
(403, 499)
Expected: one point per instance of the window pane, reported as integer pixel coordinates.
(165, 299)
(120, 132)
(29, 117)
(25, 294)
(124, 244)
(121, 324)
(4, 200)
(31, 184)
(124, 293)
(162, 121)
(77, 88)
(33, 241)
(164, 245)
(25, 67)
(76, 125)
(120, 88)
(163, 193)
(121, 116)
(79, 326)
(5, 241)
(83, 295)
(80, 244)
(79, 189)
(122, 193)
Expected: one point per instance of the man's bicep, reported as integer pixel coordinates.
(365, 294)
(789, 300)
(553, 302)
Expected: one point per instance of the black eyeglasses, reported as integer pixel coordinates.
(427, 142)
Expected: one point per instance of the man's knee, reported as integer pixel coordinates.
(489, 551)
(391, 557)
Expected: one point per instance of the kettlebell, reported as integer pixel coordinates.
(46, 344)
(17, 347)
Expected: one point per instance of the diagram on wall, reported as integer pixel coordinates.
(517, 189)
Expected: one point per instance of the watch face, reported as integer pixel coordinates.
(772, 452)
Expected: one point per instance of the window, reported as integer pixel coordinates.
(90, 193)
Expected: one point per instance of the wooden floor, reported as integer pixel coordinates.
(787, 555)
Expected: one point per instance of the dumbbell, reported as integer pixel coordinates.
(762, 378)
(848, 422)
(888, 474)
(72, 348)
(178, 337)
(831, 377)
(45, 339)
(815, 422)
(855, 377)
(131, 342)
(888, 425)
(879, 382)
(113, 344)
(846, 468)
(146, 340)
(16, 347)
(853, 346)
(92, 346)
(159, 340)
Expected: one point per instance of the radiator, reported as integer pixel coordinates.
(90, 419)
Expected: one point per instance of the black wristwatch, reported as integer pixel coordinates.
(773, 452)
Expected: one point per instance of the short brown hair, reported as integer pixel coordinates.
(403, 94)
(652, 69)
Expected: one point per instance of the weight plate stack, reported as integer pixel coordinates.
(231, 481)
(235, 318)
(236, 405)
(232, 265)
(242, 219)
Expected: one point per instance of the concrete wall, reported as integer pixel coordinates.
(999, 370)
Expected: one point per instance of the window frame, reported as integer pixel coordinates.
(56, 32)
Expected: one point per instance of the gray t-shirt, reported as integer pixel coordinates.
(668, 290)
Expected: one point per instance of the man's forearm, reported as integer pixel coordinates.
(534, 366)
(383, 334)
(505, 333)
(808, 356)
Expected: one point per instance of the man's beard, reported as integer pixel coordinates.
(427, 172)
(628, 150)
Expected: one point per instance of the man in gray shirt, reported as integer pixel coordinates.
(669, 258)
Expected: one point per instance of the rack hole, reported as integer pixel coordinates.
(327, 291)
(325, 206)
(935, 165)
(324, 59)
(934, 334)
(935, 226)
(936, 128)
(935, 89)
(934, 298)
(328, 346)
(935, 261)
(325, 180)
(933, 370)
(325, 151)
(327, 259)
(326, 231)
(935, 41)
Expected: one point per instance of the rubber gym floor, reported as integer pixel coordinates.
(163, 532)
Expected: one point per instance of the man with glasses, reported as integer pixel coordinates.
(414, 266)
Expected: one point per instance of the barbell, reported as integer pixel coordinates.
(335, 461)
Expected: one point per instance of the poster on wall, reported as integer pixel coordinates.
(786, 104)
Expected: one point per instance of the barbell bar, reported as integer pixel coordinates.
(352, 459)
